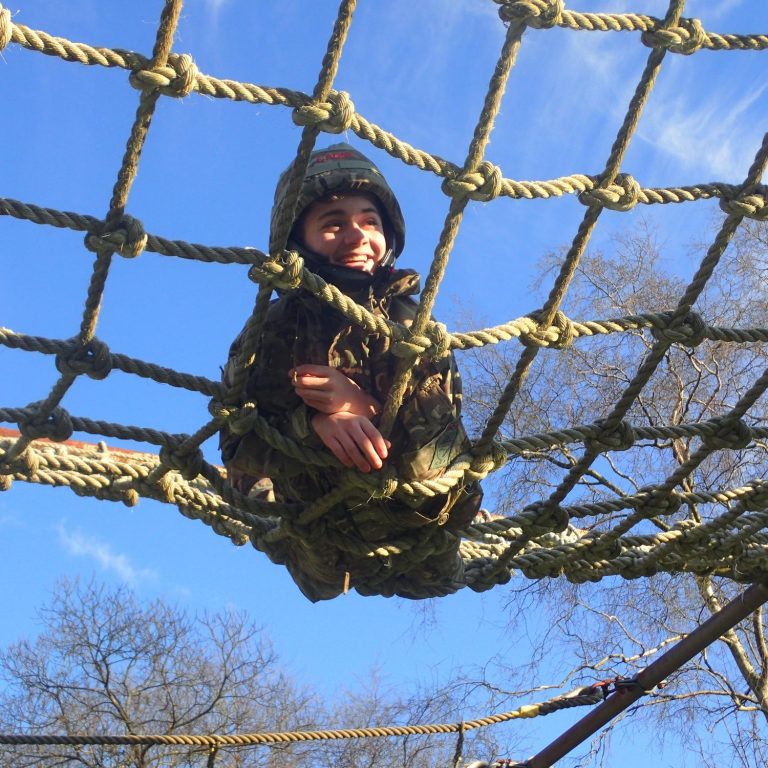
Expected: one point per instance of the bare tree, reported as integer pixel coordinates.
(616, 626)
(377, 704)
(105, 664)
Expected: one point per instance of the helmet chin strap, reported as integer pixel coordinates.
(344, 278)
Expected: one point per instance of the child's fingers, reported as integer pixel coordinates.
(320, 371)
(358, 448)
(358, 454)
(353, 440)
(309, 381)
(340, 452)
(378, 446)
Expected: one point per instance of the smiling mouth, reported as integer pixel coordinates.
(353, 258)
(359, 262)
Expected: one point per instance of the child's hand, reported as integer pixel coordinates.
(330, 391)
(352, 439)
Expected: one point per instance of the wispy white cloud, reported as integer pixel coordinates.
(602, 61)
(11, 522)
(712, 12)
(80, 545)
(214, 6)
(703, 136)
(214, 9)
(649, 7)
(595, 54)
(432, 70)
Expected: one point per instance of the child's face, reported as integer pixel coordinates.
(347, 231)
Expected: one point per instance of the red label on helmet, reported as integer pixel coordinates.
(342, 155)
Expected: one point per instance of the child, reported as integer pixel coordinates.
(322, 381)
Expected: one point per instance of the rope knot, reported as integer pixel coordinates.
(92, 359)
(220, 411)
(440, 340)
(482, 184)
(280, 270)
(189, 464)
(727, 434)
(126, 237)
(687, 38)
(56, 426)
(241, 420)
(411, 347)
(434, 344)
(333, 116)
(653, 501)
(559, 335)
(617, 437)
(690, 332)
(539, 14)
(387, 485)
(622, 195)
(753, 205)
(757, 501)
(6, 27)
(186, 76)
(177, 78)
(545, 518)
(482, 465)
(165, 487)
(28, 459)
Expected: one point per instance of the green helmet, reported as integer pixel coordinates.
(340, 168)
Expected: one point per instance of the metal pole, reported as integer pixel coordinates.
(681, 653)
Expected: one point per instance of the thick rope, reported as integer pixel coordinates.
(586, 696)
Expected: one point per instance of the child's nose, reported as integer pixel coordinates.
(354, 233)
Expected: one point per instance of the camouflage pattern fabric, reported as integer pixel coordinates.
(427, 436)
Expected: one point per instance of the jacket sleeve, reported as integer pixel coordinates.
(267, 385)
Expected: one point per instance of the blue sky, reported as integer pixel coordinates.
(418, 70)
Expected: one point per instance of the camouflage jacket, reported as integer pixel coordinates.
(427, 436)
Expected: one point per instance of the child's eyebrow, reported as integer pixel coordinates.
(342, 212)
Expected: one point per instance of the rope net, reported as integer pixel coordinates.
(625, 535)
